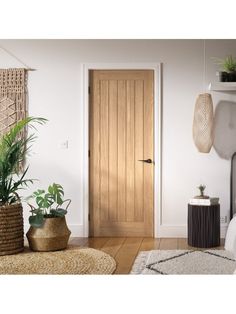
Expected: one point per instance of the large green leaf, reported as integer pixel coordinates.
(36, 220)
(44, 201)
(60, 212)
(56, 190)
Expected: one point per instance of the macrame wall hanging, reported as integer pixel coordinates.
(13, 94)
(13, 97)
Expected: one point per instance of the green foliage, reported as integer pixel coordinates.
(48, 203)
(36, 220)
(228, 64)
(13, 149)
(201, 188)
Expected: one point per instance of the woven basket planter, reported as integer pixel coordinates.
(11, 229)
(52, 236)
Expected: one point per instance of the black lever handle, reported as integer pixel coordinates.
(149, 161)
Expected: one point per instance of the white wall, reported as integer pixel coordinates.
(55, 93)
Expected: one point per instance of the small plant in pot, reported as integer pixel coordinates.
(14, 145)
(228, 67)
(48, 231)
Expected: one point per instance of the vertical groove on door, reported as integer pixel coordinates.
(104, 149)
(130, 164)
(121, 135)
(113, 145)
(139, 150)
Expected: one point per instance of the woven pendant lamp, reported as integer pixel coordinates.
(203, 116)
(203, 123)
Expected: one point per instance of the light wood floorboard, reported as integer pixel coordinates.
(150, 244)
(168, 244)
(97, 243)
(183, 244)
(126, 255)
(125, 250)
(113, 245)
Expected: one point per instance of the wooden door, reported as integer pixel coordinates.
(121, 134)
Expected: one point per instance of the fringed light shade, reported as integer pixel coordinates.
(203, 123)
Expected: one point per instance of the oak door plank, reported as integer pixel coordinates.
(113, 149)
(139, 153)
(121, 151)
(104, 171)
(130, 149)
(148, 174)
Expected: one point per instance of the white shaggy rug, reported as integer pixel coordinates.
(181, 262)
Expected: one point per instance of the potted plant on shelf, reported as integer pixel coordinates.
(202, 188)
(228, 66)
(13, 148)
(48, 231)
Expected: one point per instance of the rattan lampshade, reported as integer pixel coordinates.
(203, 123)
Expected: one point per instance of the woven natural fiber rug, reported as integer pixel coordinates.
(70, 261)
(180, 262)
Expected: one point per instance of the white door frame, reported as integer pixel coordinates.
(157, 68)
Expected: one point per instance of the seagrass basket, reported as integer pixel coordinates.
(11, 229)
(52, 236)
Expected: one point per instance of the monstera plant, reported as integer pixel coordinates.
(14, 145)
(49, 205)
(48, 231)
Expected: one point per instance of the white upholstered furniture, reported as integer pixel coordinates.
(230, 239)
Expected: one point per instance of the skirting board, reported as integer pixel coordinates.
(180, 231)
(76, 230)
(166, 231)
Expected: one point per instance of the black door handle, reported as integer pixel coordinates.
(149, 161)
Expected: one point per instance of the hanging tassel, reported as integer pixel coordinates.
(203, 123)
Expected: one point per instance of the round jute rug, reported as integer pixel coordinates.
(70, 261)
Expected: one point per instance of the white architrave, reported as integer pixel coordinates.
(157, 68)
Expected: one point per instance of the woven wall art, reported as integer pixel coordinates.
(13, 97)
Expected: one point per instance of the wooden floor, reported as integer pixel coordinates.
(125, 250)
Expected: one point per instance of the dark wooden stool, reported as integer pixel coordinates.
(204, 226)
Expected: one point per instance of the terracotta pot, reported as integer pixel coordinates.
(11, 229)
(52, 236)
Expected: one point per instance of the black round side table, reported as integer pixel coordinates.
(204, 226)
